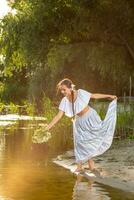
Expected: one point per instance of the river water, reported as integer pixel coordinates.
(28, 173)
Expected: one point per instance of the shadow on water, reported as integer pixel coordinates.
(27, 173)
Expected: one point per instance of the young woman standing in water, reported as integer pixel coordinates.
(92, 136)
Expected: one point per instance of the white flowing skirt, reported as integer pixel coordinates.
(93, 136)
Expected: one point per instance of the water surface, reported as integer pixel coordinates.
(27, 172)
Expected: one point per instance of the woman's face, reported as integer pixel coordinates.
(65, 90)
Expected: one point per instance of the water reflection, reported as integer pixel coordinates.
(27, 173)
(20, 163)
(20, 148)
(88, 190)
(2, 145)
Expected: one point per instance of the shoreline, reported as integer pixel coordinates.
(118, 162)
(116, 165)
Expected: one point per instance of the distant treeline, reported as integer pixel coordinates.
(90, 42)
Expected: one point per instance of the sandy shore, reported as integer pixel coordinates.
(116, 164)
(118, 161)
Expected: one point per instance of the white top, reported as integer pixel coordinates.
(80, 103)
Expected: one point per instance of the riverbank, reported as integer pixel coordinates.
(116, 165)
(118, 161)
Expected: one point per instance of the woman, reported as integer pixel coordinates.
(92, 136)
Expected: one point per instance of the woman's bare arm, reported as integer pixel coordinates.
(55, 120)
(103, 96)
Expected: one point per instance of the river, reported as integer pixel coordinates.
(28, 173)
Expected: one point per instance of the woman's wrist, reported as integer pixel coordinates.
(48, 127)
(113, 96)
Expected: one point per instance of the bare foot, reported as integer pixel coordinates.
(78, 170)
(96, 172)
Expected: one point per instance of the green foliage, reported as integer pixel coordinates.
(1, 106)
(44, 35)
(1, 89)
(13, 92)
(63, 127)
(9, 108)
(125, 122)
(48, 108)
(125, 118)
(13, 108)
(131, 136)
(30, 109)
(50, 111)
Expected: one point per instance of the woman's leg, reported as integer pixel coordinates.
(79, 167)
(92, 168)
(91, 164)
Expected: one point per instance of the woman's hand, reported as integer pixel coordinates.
(47, 127)
(113, 97)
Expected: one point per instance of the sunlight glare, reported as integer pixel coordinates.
(4, 8)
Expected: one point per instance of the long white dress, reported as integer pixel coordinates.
(92, 136)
